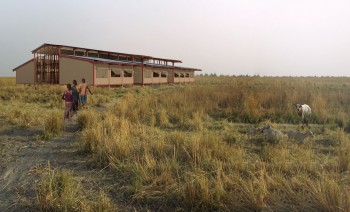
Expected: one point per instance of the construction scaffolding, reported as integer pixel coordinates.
(46, 65)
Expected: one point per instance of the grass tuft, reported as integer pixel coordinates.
(59, 192)
(53, 123)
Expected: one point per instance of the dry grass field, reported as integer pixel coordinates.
(177, 147)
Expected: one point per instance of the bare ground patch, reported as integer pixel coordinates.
(24, 157)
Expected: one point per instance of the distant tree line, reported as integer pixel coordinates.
(224, 75)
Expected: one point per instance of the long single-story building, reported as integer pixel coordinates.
(59, 64)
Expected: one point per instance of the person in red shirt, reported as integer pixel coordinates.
(68, 97)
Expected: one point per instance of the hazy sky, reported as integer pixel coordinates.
(265, 37)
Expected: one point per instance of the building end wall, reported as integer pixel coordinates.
(25, 73)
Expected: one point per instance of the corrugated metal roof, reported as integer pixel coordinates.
(109, 61)
(186, 68)
(109, 52)
(102, 59)
(88, 49)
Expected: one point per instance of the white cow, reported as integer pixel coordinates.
(304, 111)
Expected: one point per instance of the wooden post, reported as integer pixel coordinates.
(142, 72)
(122, 75)
(35, 66)
(58, 63)
(109, 75)
(173, 73)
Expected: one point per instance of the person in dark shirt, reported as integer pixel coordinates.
(75, 96)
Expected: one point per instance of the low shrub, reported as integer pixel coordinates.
(53, 123)
(60, 191)
(86, 119)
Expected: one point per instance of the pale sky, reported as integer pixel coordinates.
(229, 37)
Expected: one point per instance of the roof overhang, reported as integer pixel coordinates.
(43, 50)
(127, 63)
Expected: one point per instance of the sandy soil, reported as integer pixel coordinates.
(23, 157)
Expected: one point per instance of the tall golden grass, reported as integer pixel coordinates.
(236, 99)
(198, 170)
(38, 106)
(184, 147)
(176, 148)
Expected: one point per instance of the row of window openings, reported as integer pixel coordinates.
(104, 74)
(182, 75)
(155, 75)
(177, 75)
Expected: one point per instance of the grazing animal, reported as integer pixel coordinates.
(299, 136)
(304, 111)
(272, 135)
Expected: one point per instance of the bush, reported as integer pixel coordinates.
(86, 119)
(53, 123)
(59, 191)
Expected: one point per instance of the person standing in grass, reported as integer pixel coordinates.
(68, 97)
(75, 96)
(83, 88)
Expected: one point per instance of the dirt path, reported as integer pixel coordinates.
(23, 157)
